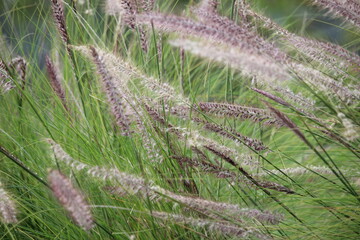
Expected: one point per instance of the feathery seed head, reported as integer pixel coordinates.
(235, 136)
(248, 63)
(124, 8)
(5, 86)
(210, 208)
(19, 64)
(299, 171)
(115, 98)
(55, 81)
(351, 133)
(59, 17)
(220, 227)
(272, 97)
(296, 98)
(326, 84)
(348, 9)
(240, 36)
(6, 83)
(114, 7)
(287, 122)
(238, 111)
(209, 5)
(71, 199)
(7, 207)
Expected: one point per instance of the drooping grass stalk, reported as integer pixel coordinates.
(135, 185)
(297, 131)
(224, 228)
(231, 134)
(256, 183)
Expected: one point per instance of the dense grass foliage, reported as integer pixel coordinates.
(125, 119)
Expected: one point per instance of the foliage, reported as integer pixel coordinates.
(163, 119)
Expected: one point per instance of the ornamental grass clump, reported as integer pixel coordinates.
(192, 120)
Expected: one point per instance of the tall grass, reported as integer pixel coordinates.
(162, 120)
